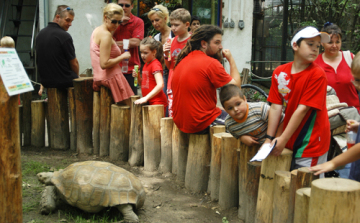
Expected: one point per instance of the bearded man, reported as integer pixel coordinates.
(197, 74)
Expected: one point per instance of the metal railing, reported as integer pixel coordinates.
(36, 16)
(3, 16)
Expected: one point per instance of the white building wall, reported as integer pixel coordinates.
(88, 15)
(239, 41)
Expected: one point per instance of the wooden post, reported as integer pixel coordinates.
(136, 150)
(58, 118)
(301, 213)
(47, 123)
(215, 165)
(216, 129)
(229, 174)
(246, 153)
(119, 132)
(299, 178)
(334, 200)
(152, 115)
(38, 123)
(84, 114)
(21, 124)
(198, 161)
(10, 168)
(175, 148)
(264, 208)
(106, 101)
(281, 196)
(252, 187)
(26, 99)
(72, 111)
(96, 122)
(182, 153)
(166, 144)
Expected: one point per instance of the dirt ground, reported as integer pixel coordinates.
(166, 199)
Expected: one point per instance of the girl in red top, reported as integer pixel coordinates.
(152, 81)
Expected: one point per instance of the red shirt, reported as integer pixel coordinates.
(341, 80)
(195, 81)
(308, 87)
(175, 50)
(133, 29)
(148, 82)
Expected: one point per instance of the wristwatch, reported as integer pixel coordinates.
(269, 137)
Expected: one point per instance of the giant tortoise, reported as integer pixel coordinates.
(93, 186)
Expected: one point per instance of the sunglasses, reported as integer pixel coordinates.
(114, 21)
(126, 5)
(67, 9)
(156, 10)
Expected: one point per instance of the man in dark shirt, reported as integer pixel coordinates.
(56, 59)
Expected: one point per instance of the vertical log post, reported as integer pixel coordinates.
(198, 161)
(96, 122)
(119, 132)
(105, 117)
(229, 174)
(330, 194)
(246, 153)
(21, 124)
(58, 118)
(84, 114)
(264, 208)
(281, 196)
(72, 111)
(301, 213)
(252, 187)
(216, 129)
(10, 168)
(26, 99)
(183, 149)
(166, 127)
(302, 178)
(38, 123)
(47, 135)
(175, 148)
(152, 115)
(136, 150)
(215, 165)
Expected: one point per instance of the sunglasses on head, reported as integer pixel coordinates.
(126, 5)
(67, 9)
(156, 10)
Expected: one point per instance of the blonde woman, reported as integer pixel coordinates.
(106, 56)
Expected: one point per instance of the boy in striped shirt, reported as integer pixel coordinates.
(247, 121)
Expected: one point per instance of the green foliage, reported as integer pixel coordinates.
(224, 220)
(79, 216)
(33, 168)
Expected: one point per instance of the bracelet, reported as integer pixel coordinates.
(269, 137)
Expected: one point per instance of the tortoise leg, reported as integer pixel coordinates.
(48, 198)
(128, 213)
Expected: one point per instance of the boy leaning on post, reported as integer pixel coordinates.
(300, 88)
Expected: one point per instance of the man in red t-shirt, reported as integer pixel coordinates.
(131, 28)
(197, 75)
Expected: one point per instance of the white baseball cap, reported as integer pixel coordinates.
(310, 32)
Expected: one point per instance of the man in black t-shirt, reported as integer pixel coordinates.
(56, 59)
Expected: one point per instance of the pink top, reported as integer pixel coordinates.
(99, 73)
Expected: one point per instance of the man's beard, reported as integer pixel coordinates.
(218, 56)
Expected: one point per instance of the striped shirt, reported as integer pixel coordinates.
(255, 124)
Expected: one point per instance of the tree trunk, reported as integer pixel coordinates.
(10, 168)
(152, 115)
(198, 161)
(301, 213)
(246, 153)
(58, 118)
(96, 122)
(215, 165)
(229, 174)
(252, 188)
(105, 117)
(72, 111)
(38, 123)
(119, 133)
(84, 113)
(136, 144)
(166, 144)
(264, 208)
(26, 100)
(334, 200)
(281, 196)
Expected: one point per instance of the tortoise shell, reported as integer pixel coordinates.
(93, 185)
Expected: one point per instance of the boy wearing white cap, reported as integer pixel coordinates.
(300, 88)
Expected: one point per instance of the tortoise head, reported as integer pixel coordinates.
(45, 177)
